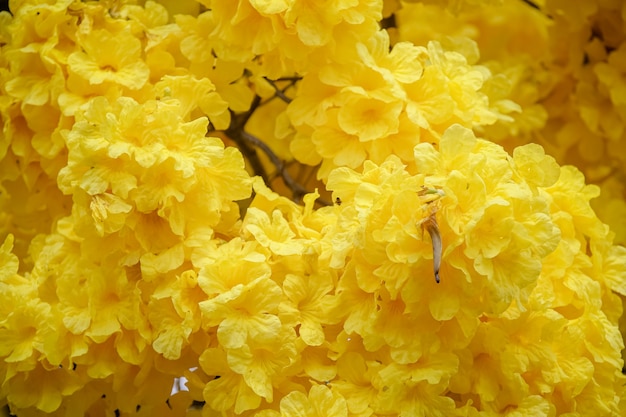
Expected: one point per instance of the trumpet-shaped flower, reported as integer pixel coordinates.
(320, 401)
(310, 303)
(244, 313)
(110, 57)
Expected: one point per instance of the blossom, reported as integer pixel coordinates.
(174, 313)
(55, 385)
(257, 300)
(226, 390)
(274, 234)
(289, 34)
(369, 119)
(310, 302)
(32, 146)
(321, 401)
(19, 336)
(387, 102)
(119, 63)
(175, 156)
(261, 363)
(196, 94)
(311, 208)
(571, 91)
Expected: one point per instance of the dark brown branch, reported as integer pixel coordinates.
(293, 79)
(241, 123)
(280, 93)
(297, 190)
(532, 4)
(235, 130)
(249, 143)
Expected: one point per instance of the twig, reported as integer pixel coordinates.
(281, 93)
(248, 144)
(532, 4)
(298, 191)
(293, 79)
(388, 22)
(235, 130)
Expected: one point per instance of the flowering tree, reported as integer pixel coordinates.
(312, 208)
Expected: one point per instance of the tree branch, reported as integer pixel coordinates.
(280, 93)
(297, 190)
(532, 4)
(249, 143)
(235, 130)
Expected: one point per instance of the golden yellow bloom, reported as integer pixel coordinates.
(562, 66)
(197, 98)
(310, 303)
(320, 402)
(110, 57)
(290, 35)
(385, 103)
(149, 160)
(444, 276)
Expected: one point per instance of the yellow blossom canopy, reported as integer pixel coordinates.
(348, 208)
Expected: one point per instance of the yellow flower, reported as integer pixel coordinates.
(321, 401)
(113, 303)
(388, 269)
(110, 57)
(274, 234)
(21, 331)
(226, 390)
(31, 79)
(384, 102)
(54, 385)
(245, 313)
(149, 15)
(354, 382)
(232, 264)
(195, 95)
(290, 35)
(37, 84)
(309, 300)
(196, 45)
(261, 363)
(14, 288)
(335, 144)
(511, 40)
(369, 118)
(535, 166)
(150, 163)
(171, 330)
(431, 101)
(418, 387)
(447, 278)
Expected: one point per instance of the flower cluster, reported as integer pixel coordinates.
(564, 65)
(505, 236)
(60, 56)
(288, 36)
(106, 294)
(591, 132)
(148, 154)
(383, 101)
